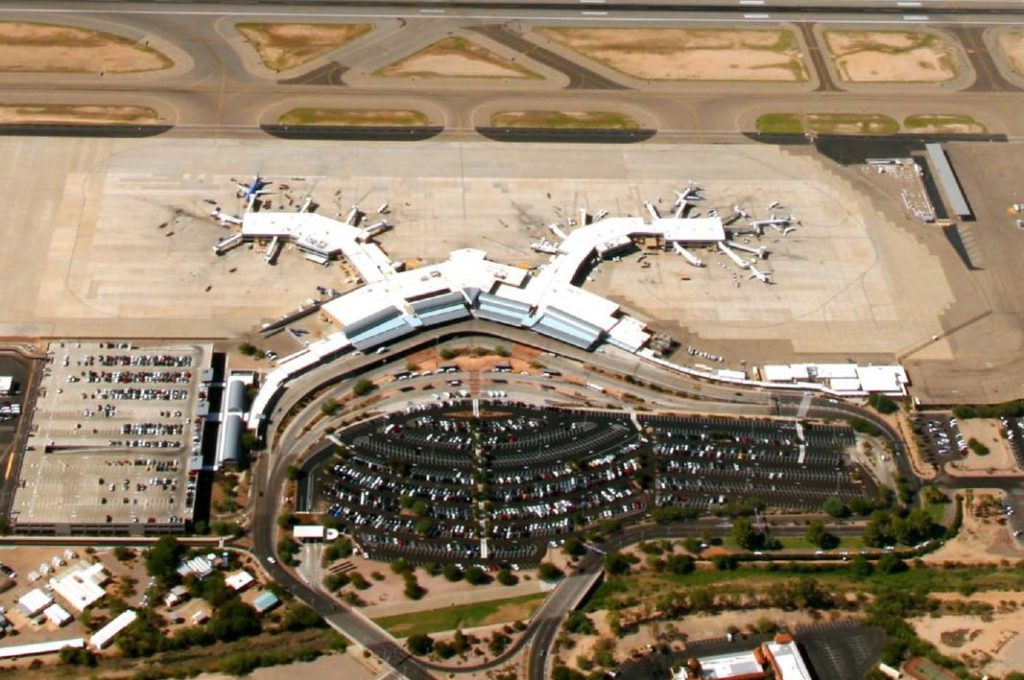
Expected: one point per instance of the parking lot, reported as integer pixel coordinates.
(940, 437)
(1015, 436)
(112, 429)
(498, 481)
(703, 462)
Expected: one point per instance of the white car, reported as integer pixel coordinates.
(271, 559)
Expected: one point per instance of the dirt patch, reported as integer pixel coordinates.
(46, 48)
(891, 56)
(685, 54)
(355, 117)
(1011, 44)
(983, 538)
(286, 46)
(591, 120)
(988, 643)
(987, 432)
(455, 58)
(23, 114)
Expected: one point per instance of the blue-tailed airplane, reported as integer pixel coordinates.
(255, 188)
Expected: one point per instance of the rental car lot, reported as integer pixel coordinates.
(112, 430)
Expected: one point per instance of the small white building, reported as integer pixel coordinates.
(308, 532)
(6, 383)
(239, 581)
(57, 615)
(81, 586)
(34, 602)
(105, 635)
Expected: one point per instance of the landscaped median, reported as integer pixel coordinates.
(355, 117)
(564, 120)
(565, 126)
(81, 120)
(866, 124)
(345, 123)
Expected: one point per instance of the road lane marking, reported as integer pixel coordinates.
(915, 17)
(10, 464)
(756, 17)
(751, 2)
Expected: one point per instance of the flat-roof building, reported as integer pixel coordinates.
(34, 602)
(105, 635)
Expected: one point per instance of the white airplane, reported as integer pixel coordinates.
(383, 209)
(307, 205)
(690, 193)
(555, 229)
(257, 187)
(688, 256)
(353, 216)
(761, 252)
(224, 218)
(740, 262)
(761, 276)
(545, 246)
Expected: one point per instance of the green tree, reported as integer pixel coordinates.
(616, 564)
(506, 578)
(420, 644)
(817, 535)
(162, 560)
(836, 508)
(883, 404)
(362, 387)
(301, 617)
(329, 406)
(743, 534)
(452, 572)
(233, 621)
(549, 572)
(574, 547)
(476, 576)
(680, 564)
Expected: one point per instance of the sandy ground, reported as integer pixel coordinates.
(1011, 42)
(286, 46)
(890, 56)
(981, 539)
(331, 666)
(987, 432)
(41, 48)
(991, 644)
(455, 58)
(699, 627)
(94, 115)
(684, 54)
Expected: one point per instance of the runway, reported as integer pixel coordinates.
(221, 94)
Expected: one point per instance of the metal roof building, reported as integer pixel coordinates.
(384, 326)
(229, 440)
(265, 601)
(34, 649)
(947, 179)
(105, 635)
(441, 309)
(502, 310)
(561, 325)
